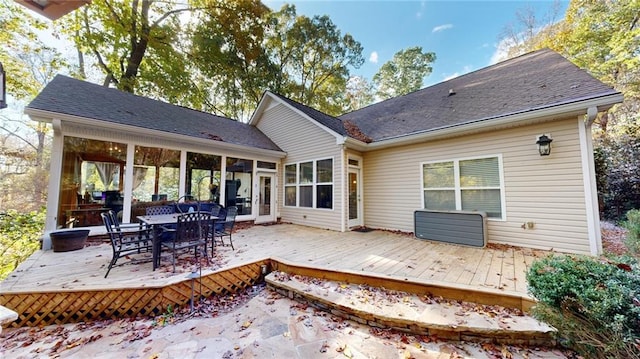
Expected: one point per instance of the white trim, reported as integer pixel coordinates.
(273, 195)
(314, 183)
(128, 183)
(590, 188)
(458, 188)
(53, 200)
(344, 167)
(358, 170)
(261, 109)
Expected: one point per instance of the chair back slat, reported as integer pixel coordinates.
(232, 212)
(193, 226)
(155, 210)
(115, 235)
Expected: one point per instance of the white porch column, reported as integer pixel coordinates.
(55, 171)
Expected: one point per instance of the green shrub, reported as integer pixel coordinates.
(19, 237)
(632, 224)
(594, 305)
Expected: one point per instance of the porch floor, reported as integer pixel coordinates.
(384, 254)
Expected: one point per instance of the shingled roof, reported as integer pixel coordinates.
(538, 80)
(69, 96)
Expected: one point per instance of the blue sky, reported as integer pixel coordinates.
(463, 34)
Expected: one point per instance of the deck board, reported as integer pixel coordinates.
(377, 252)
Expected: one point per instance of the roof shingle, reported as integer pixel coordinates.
(536, 80)
(69, 96)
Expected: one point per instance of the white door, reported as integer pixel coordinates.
(355, 202)
(266, 198)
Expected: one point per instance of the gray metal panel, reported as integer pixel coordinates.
(459, 227)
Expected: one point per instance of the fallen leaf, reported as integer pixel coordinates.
(506, 353)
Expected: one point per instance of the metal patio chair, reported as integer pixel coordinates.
(191, 231)
(124, 242)
(224, 228)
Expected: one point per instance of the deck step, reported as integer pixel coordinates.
(413, 313)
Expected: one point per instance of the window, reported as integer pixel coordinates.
(309, 184)
(470, 185)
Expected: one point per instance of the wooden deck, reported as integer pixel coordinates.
(375, 256)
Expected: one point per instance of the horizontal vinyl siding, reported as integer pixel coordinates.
(302, 140)
(547, 191)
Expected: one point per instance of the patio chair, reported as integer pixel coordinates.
(155, 210)
(210, 207)
(124, 243)
(192, 231)
(225, 228)
(122, 226)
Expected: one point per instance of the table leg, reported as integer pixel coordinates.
(156, 247)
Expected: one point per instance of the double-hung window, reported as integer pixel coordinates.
(309, 184)
(469, 184)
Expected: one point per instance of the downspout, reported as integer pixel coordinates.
(343, 173)
(55, 177)
(590, 187)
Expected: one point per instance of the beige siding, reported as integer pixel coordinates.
(303, 140)
(548, 191)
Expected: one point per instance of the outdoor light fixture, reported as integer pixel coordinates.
(193, 276)
(3, 92)
(544, 145)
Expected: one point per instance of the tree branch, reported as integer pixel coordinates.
(15, 134)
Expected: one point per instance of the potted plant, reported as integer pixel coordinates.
(68, 239)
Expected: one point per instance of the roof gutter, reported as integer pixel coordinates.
(47, 116)
(581, 107)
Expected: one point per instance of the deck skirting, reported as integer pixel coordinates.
(73, 306)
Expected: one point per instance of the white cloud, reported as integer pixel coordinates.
(373, 57)
(501, 52)
(440, 28)
(465, 70)
(452, 76)
(423, 5)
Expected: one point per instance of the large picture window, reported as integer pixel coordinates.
(309, 184)
(469, 184)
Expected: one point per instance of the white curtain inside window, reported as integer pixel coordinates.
(106, 170)
(139, 174)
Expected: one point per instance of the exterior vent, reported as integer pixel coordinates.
(458, 227)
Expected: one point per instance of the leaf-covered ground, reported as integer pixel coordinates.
(613, 238)
(252, 324)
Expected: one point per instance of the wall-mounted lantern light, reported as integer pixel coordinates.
(544, 145)
(3, 92)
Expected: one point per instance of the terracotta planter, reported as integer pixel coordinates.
(69, 240)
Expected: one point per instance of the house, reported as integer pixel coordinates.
(468, 144)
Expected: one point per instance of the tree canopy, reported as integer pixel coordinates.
(603, 37)
(216, 55)
(404, 73)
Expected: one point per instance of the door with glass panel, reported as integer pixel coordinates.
(355, 204)
(266, 205)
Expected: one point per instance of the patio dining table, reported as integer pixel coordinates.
(156, 222)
